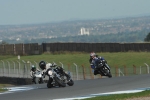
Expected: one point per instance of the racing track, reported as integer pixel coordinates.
(80, 88)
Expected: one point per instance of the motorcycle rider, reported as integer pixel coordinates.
(45, 68)
(94, 62)
(32, 72)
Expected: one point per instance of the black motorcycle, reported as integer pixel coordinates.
(103, 68)
(58, 77)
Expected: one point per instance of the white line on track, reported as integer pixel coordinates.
(108, 93)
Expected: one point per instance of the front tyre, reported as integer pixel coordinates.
(49, 83)
(60, 82)
(36, 80)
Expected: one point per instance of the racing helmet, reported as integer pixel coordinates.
(42, 65)
(33, 68)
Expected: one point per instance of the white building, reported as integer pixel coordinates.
(84, 31)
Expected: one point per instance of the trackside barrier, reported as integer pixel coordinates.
(76, 70)
(61, 65)
(3, 67)
(125, 70)
(8, 68)
(84, 75)
(21, 69)
(14, 66)
(134, 69)
(116, 71)
(120, 72)
(147, 67)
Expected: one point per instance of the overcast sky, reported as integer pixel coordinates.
(41, 11)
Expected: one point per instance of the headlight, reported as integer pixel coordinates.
(50, 72)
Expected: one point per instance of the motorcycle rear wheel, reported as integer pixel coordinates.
(71, 82)
(108, 73)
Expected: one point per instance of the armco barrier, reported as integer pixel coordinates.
(15, 81)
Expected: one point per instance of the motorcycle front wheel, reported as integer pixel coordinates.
(49, 83)
(60, 82)
(36, 80)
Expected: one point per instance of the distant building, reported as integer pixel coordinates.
(84, 31)
(18, 39)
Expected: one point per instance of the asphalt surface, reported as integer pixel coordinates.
(80, 88)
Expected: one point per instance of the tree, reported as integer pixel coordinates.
(147, 39)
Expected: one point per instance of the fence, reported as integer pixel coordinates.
(20, 49)
(21, 69)
(97, 47)
(35, 48)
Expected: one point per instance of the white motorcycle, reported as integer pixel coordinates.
(37, 77)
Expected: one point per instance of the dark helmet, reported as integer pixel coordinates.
(33, 68)
(42, 65)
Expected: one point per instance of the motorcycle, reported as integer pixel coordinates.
(103, 68)
(38, 77)
(58, 77)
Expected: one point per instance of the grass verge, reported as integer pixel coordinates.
(145, 93)
(3, 86)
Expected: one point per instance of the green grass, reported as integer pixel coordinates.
(81, 58)
(3, 90)
(122, 96)
(3, 86)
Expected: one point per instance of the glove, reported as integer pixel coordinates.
(104, 61)
(43, 75)
(53, 64)
(92, 66)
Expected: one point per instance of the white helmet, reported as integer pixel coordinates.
(92, 54)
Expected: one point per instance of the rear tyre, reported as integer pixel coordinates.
(71, 82)
(109, 75)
